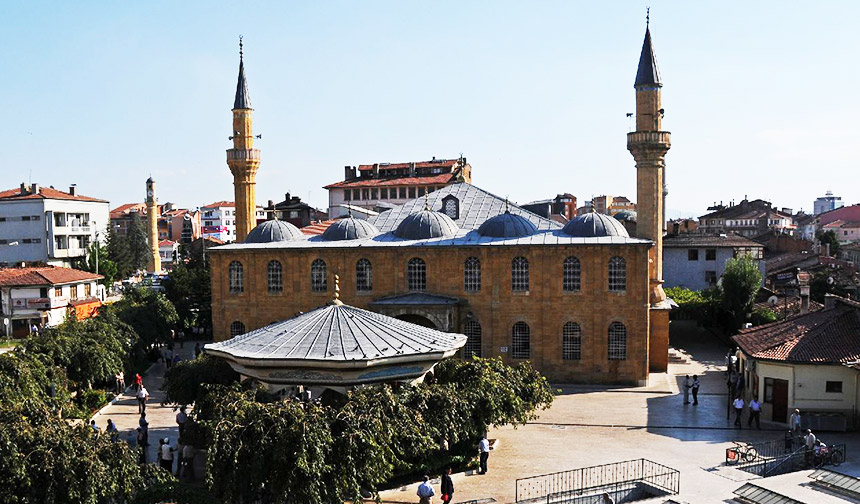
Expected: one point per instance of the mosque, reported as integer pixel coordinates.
(583, 302)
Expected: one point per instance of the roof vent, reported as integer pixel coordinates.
(73, 189)
(34, 188)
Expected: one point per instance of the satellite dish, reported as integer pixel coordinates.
(773, 300)
(830, 280)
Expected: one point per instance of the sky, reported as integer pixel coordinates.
(761, 97)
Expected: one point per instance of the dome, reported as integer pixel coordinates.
(507, 225)
(349, 229)
(426, 224)
(273, 231)
(626, 215)
(594, 224)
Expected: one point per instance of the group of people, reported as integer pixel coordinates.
(425, 489)
(755, 412)
(691, 385)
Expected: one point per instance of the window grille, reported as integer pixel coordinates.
(363, 275)
(571, 276)
(520, 344)
(617, 274)
(319, 278)
(571, 341)
(520, 274)
(617, 341)
(416, 274)
(236, 328)
(472, 330)
(472, 275)
(274, 277)
(237, 277)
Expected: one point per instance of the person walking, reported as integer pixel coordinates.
(695, 389)
(739, 410)
(138, 382)
(755, 413)
(197, 350)
(96, 429)
(142, 443)
(425, 492)
(484, 449)
(686, 385)
(809, 443)
(120, 383)
(447, 487)
(187, 470)
(167, 455)
(794, 422)
(142, 396)
(181, 418)
(112, 431)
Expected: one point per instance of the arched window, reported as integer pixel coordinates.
(520, 274)
(617, 341)
(617, 274)
(319, 278)
(472, 330)
(236, 328)
(274, 278)
(363, 275)
(571, 275)
(416, 274)
(472, 275)
(237, 280)
(571, 341)
(520, 344)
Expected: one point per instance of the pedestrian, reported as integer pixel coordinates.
(138, 382)
(739, 410)
(112, 431)
(167, 455)
(176, 359)
(794, 422)
(131, 439)
(484, 448)
(607, 499)
(695, 389)
(447, 487)
(755, 413)
(118, 378)
(425, 492)
(142, 396)
(686, 386)
(181, 418)
(188, 453)
(168, 358)
(789, 441)
(96, 429)
(809, 443)
(182, 338)
(142, 443)
(197, 350)
(142, 421)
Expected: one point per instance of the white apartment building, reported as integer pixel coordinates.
(45, 225)
(168, 249)
(219, 220)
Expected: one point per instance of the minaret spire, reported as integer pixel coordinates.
(243, 99)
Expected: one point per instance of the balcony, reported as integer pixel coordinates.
(72, 230)
(243, 154)
(656, 138)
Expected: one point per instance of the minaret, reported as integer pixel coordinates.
(243, 158)
(154, 262)
(649, 145)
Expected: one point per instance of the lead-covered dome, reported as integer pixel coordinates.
(349, 229)
(594, 224)
(273, 231)
(507, 225)
(426, 224)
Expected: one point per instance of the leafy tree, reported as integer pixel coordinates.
(183, 382)
(189, 288)
(97, 260)
(119, 253)
(741, 282)
(30, 385)
(149, 313)
(763, 316)
(138, 245)
(829, 237)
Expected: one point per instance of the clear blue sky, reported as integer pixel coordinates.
(761, 97)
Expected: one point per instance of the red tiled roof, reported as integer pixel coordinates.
(444, 163)
(823, 337)
(123, 210)
(442, 178)
(165, 243)
(317, 228)
(44, 275)
(220, 204)
(44, 193)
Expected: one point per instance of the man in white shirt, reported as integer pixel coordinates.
(739, 410)
(166, 455)
(142, 396)
(687, 384)
(484, 448)
(425, 492)
(794, 422)
(755, 413)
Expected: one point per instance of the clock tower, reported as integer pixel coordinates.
(154, 263)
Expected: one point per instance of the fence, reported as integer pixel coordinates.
(771, 463)
(574, 486)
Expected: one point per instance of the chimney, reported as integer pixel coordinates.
(73, 189)
(348, 172)
(829, 301)
(34, 189)
(23, 189)
(271, 204)
(411, 169)
(287, 197)
(375, 170)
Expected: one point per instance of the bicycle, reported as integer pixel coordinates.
(741, 452)
(828, 456)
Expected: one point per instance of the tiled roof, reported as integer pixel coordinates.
(166, 243)
(443, 178)
(220, 204)
(124, 210)
(436, 163)
(751, 210)
(44, 275)
(707, 240)
(44, 193)
(823, 337)
(317, 228)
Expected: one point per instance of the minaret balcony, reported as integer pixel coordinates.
(655, 138)
(243, 154)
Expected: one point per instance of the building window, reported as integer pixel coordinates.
(520, 274)
(402, 193)
(236, 276)
(87, 290)
(834, 387)
(383, 193)
(420, 191)
(571, 275)
(520, 345)
(472, 275)
(58, 292)
(571, 341)
(236, 328)
(411, 192)
(73, 292)
(710, 254)
(416, 274)
(347, 195)
(363, 275)
(617, 274)
(711, 278)
(319, 277)
(365, 194)
(693, 255)
(374, 194)
(274, 277)
(451, 206)
(472, 330)
(617, 341)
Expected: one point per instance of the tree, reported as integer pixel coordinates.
(97, 260)
(189, 288)
(183, 382)
(741, 282)
(149, 313)
(138, 245)
(118, 252)
(829, 238)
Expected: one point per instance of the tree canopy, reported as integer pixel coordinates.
(741, 282)
(138, 244)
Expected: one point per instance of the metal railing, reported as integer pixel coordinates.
(796, 460)
(575, 485)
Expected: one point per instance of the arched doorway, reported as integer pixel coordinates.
(413, 318)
